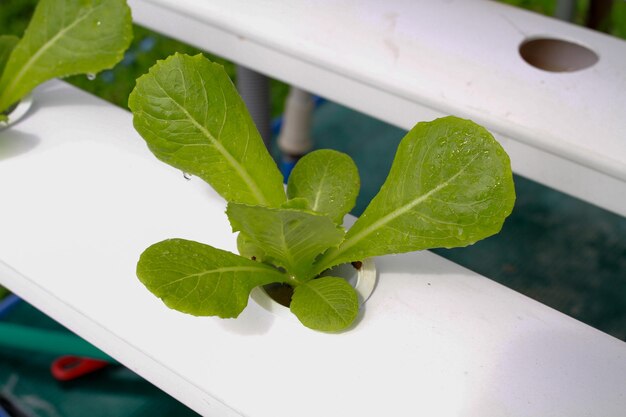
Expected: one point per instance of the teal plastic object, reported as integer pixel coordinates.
(114, 391)
(20, 337)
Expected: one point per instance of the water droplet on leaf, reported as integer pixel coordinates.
(91, 77)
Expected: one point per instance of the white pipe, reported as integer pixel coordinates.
(295, 134)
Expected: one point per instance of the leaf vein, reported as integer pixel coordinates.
(250, 183)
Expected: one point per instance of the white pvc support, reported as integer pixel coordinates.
(295, 134)
(82, 197)
(406, 61)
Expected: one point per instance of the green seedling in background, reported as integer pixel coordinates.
(450, 185)
(64, 37)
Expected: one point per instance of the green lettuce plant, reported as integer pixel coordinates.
(64, 37)
(450, 185)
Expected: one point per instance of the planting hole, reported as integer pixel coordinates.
(282, 293)
(557, 55)
(276, 298)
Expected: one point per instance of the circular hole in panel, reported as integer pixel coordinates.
(277, 297)
(556, 55)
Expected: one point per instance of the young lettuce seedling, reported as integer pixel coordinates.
(450, 185)
(64, 37)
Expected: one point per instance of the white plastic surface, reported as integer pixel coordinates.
(403, 61)
(16, 114)
(82, 197)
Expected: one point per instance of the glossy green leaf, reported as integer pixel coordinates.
(191, 116)
(248, 249)
(297, 203)
(66, 37)
(450, 185)
(198, 279)
(290, 238)
(7, 43)
(328, 304)
(328, 180)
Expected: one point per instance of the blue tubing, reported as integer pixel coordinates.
(286, 166)
(277, 122)
(7, 304)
